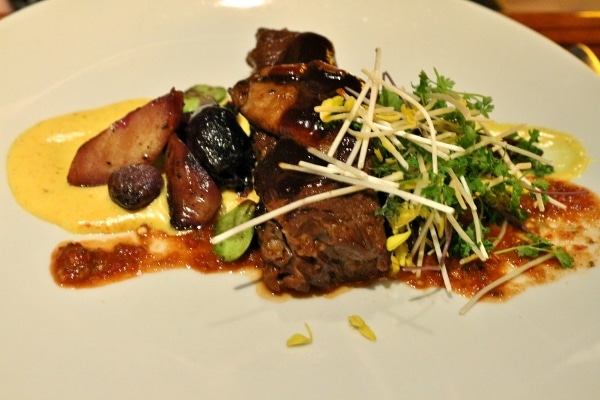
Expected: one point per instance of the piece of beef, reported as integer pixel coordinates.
(281, 46)
(322, 245)
(281, 99)
(262, 144)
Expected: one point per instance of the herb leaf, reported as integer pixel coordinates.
(537, 245)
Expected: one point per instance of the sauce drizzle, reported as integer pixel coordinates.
(96, 263)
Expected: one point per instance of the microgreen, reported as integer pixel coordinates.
(480, 164)
(535, 245)
(390, 99)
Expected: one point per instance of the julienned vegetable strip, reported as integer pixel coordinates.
(348, 121)
(409, 99)
(283, 210)
(367, 184)
(511, 275)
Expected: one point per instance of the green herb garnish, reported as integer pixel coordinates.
(535, 246)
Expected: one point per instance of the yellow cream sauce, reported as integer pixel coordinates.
(569, 157)
(38, 163)
(39, 160)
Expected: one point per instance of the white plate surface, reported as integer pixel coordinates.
(184, 335)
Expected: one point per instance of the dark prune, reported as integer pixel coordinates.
(221, 146)
(135, 186)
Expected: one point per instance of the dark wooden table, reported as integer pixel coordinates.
(564, 28)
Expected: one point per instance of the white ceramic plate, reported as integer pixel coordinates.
(184, 335)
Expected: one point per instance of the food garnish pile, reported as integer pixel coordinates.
(332, 180)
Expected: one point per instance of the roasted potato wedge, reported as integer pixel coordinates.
(193, 196)
(139, 137)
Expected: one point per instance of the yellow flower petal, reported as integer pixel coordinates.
(299, 339)
(358, 323)
(332, 103)
(394, 241)
(409, 114)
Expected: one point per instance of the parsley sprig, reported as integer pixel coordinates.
(534, 245)
(445, 85)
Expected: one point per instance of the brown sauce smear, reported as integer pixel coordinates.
(96, 263)
(569, 228)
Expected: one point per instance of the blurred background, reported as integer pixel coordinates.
(567, 22)
(573, 24)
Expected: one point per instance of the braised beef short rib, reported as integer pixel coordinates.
(322, 245)
(318, 246)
